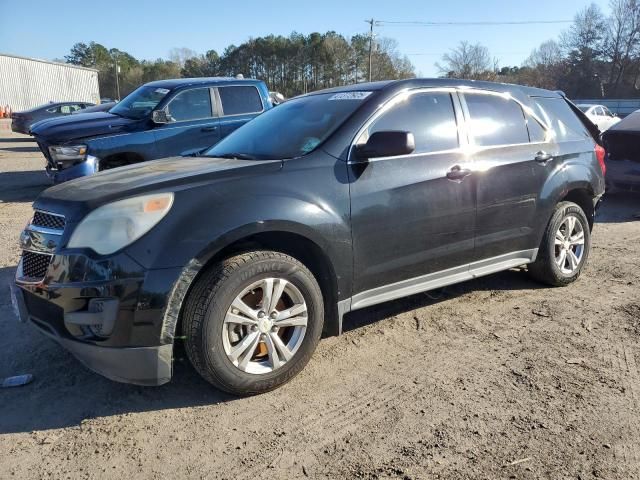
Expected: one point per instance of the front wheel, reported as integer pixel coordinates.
(253, 321)
(565, 246)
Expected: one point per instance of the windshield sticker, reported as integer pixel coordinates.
(350, 96)
(162, 91)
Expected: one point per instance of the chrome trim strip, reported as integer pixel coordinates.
(45, 230)
(48, 213)
(442, 278)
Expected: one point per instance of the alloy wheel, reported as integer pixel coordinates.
(569, 244)
(265, 325)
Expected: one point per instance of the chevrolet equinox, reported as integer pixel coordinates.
(331, 202)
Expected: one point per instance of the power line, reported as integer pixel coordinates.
(382, 23)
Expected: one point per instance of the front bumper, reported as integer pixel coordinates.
(88, 167)
(63, 307)
(137, 365)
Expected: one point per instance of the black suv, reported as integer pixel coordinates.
(334, 201)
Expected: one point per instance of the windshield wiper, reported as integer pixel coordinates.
(235, 156)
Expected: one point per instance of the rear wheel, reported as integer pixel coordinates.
(565, 246)
(253, 322)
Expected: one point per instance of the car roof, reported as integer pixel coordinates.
(589, 105)
(442, 83)
(184, 82)
(53, 104)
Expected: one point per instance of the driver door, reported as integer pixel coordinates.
(193, 123)
(410, 216)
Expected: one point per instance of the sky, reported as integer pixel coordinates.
(149, 29)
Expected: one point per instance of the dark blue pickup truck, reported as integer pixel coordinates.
(160, 119)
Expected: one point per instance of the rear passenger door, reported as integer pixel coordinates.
(408, 218)
(193, 123)
(512, 163)
(238, 105)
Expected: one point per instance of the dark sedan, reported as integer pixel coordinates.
(21, 121)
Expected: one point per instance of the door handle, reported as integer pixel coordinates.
(458, 173)
(543, 157)
(208, 129)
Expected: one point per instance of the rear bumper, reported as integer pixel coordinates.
(137, 365)
(18, 127)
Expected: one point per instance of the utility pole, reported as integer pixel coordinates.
(370, 22)
(117, 80)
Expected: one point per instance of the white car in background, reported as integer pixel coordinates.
(600, 115)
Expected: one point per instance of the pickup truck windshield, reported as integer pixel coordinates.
(139, 103)
(290, 130)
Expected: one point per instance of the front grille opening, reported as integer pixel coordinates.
(34, 265)
(47, 220)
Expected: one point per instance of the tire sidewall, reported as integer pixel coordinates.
(215, 357)
(561, 214)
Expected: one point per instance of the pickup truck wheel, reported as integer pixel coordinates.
(253, 321)
(565, 246)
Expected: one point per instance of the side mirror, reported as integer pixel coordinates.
(160, 116)
(387, 144)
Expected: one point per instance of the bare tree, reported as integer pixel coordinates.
(622, 40)
(468, 61)
(181, 55)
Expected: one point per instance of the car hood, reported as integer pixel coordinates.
(76, 198)
(73, 127)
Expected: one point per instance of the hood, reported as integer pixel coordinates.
(77, 197)
(73, 127)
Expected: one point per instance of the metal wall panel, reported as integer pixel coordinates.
(26, 83)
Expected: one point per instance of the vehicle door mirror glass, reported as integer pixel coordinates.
(386, 144)
(160, 117)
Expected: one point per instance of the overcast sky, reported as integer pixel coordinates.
(149, 29)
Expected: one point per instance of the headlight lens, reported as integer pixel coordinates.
(68, 152)
(116, 225)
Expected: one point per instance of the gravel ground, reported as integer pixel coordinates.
(494, 378)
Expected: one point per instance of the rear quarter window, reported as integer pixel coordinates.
(239, 100)
(557, 114)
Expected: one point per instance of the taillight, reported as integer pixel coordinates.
(600, 154)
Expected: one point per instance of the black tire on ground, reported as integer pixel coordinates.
(545, 269)
(207, 305)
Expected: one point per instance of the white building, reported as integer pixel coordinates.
(28, 82)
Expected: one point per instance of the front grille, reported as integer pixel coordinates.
(34, 265)
(47, 220)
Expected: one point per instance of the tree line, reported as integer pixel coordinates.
(598, 56)
(290, 65)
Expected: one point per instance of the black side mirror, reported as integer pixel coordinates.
(160, 116)
(387, 144)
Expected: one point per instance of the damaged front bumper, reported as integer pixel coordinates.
(89, 166)
(108, 313)
(137, 365)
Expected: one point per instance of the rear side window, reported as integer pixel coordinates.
(495, 120)
(429, 116)
(239, 100)
(557, 114)
(537, 133)
(191, 104)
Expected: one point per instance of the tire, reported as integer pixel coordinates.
(211, 325)
(549, 267)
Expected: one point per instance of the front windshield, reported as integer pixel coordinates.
(292, 129)
(139, 103)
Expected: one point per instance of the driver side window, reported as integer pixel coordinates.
(193, 104)
(429, 116)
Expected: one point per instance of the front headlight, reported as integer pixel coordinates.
(116, 225)
(67, 153)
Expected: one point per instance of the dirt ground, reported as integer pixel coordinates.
(494, 378)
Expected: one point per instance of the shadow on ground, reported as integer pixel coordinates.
(22, 186)
(63, 392)
(619, 207)
(20, 149)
